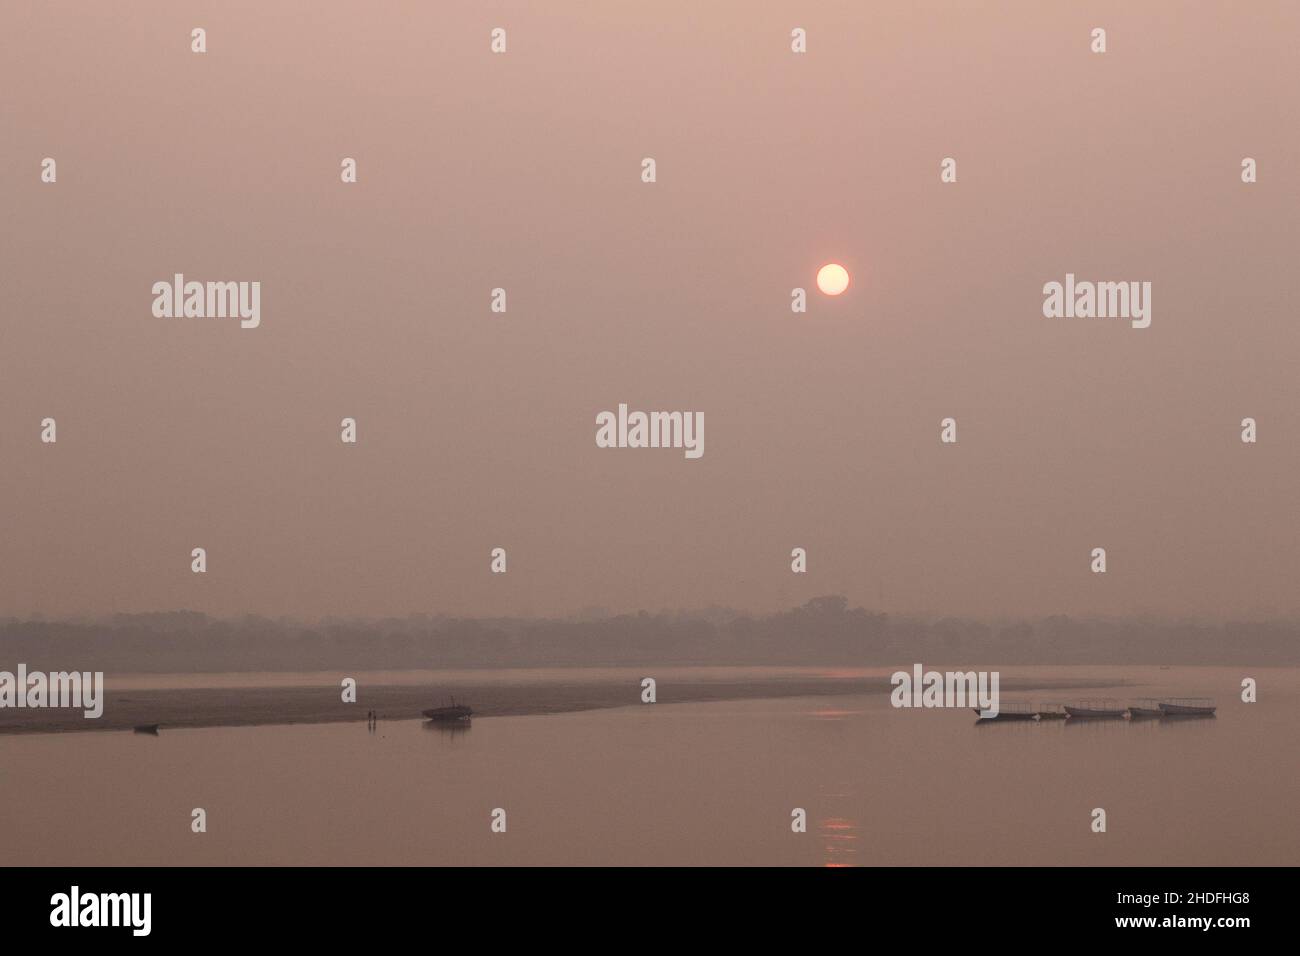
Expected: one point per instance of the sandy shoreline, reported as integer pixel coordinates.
(233, 707)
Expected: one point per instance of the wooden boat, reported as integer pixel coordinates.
(147, 729)
(1145, 707)
(1095, 708)
(445, 714)
(1187, 707)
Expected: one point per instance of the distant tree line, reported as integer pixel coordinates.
(824, 631)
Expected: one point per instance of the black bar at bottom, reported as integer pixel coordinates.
(341, 904)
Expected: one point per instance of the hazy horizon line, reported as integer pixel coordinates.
(597, 613)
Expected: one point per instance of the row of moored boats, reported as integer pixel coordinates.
(1105, 707)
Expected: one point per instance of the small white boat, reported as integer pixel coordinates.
(1187, 707)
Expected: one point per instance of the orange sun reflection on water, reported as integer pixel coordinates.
(840, 836)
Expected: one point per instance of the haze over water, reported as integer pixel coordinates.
(710, 783)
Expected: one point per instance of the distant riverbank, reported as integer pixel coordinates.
(489, 695)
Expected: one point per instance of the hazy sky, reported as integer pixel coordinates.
(522, 171)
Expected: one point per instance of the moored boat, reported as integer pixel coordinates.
(1095, 708)
(454, 712)
(1144, 707)
(1187, 707)
(1009, 710)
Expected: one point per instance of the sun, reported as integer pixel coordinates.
(832, 278)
